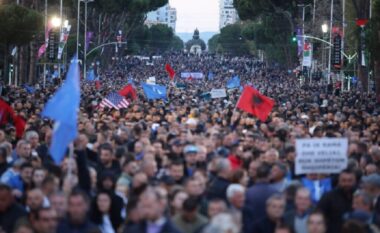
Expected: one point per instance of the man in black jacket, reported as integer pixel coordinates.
(218, 186)
(107, 162)
(275, 208)
(10, 211)
(337, 202)
(77, 219)
(152, 207)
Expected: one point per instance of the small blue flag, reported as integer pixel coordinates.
(91, 75)
(62, 108)
(233, 83)
(154, 92)
(210, 76)
(29, 89)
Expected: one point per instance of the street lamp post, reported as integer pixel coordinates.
(60, 32)
(325, 29)
(46, 23)
(78, 22)
(330, 39)
(85, 39)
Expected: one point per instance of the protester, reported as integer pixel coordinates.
(186, 161)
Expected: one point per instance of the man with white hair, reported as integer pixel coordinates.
(236, 199)
(236, 196)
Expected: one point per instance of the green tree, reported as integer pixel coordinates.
(232, 40)
(374, 43)
(362, 12)
(177, 44)
(213, 43)
(160, 37)
(18, 26)
(157, 38)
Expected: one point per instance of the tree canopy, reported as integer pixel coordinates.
(18, 25)
(157, 38)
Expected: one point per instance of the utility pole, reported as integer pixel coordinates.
(342, 45)
(85, 39)
(46, 26)
(303, 35)
(314, 12)
(60, 32)
(331, 24)
(78, 22)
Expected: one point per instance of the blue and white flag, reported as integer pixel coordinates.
(233, 83)
(153, 92)
(63, 109)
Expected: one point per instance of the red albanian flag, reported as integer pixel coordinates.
(128, 92)
(252, 101)
(170, 71)
(7, 115)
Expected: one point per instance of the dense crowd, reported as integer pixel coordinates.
(191, 164)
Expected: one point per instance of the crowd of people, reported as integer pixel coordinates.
(191, 164)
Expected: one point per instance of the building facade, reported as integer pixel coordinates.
(227, 13)
(163, 15)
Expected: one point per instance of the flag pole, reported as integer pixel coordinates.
(238, 101)
(70, 167)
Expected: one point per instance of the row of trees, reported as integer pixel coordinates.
(269, 25)
(23, 26)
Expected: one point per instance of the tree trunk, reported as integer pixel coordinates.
(6, 63)
(363, 77)
(32, 63)
(377, 77)
(21, 71)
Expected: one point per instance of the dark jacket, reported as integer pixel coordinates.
(290, 217)
(264, 226)
(9, 218)
(168, 227)
(115, 169)
(84, 179)
(217, 189)
(255, 204)
(66, 227)
(334, 205)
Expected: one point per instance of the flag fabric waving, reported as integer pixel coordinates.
(252, 101)
(114, 100)
(233, 83)
(98, 84)
(170, 71)
(154, 92)
(128, 92)
(63, 108)
(91, 75)
(7, 114)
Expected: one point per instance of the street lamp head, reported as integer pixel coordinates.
(66, 24)
(56, 21)
(325, 28)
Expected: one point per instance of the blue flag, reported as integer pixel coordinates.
(91, 75)
(153, 92)
(29, 89)
(62, 108)
(210, 76)
(233, 83)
